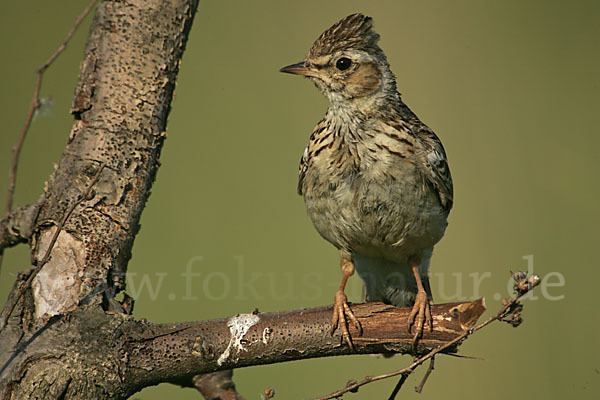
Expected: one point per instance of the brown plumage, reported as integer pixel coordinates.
(374, 178)
(354, 31)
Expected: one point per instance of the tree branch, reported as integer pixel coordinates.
(17, 227)
(120, 111)
(84, 196)
(65, 339)
(34, 106)
(177, 352)
(216, 385)
(509, 312)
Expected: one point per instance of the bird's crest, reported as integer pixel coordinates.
(353, 32)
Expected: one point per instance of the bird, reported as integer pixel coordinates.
(374, 178)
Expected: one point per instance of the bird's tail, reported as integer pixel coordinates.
(391, 282)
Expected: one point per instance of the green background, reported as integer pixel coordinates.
(511, 87)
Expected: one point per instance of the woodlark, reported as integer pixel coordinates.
(375, 179)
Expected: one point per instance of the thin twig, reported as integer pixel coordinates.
(46, 257)
(419, 388)
(398, 386)
(33, 107)
(463, 356)
(35, 104)
(505, 310)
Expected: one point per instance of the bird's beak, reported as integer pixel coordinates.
(301, 68)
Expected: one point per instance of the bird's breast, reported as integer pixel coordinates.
(371, 205)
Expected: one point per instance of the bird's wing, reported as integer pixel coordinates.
(436, 167)
(415, 137)
(303, 168)
(317, 133)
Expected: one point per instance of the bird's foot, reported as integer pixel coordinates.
(341, 314)
(419, 316)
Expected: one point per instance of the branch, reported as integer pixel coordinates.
(216, 385)
(17, 227)
(176, 352)
(430, 369)
(35, 105)
(121, 107)
(83, 196)
(509, 312)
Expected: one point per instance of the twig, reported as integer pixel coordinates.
(17, 226)
(46, 257)
(522, 286)
(35, 105)
(419, 388)
(398, 386)
(463, 356)
(216, 385)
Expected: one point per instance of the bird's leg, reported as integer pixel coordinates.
(421, 311)
(341, 309)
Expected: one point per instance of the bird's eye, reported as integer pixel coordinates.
(343, 64)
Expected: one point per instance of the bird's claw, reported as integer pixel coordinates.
(341, 314)
(419, 316)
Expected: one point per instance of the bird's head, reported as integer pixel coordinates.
(346, 63)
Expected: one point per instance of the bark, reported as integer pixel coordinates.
(216, 385)
(68, 337)
(106, 355)
(17, 226)
(174, 351)
(120, 112)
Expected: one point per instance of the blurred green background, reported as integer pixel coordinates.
(511, 87)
